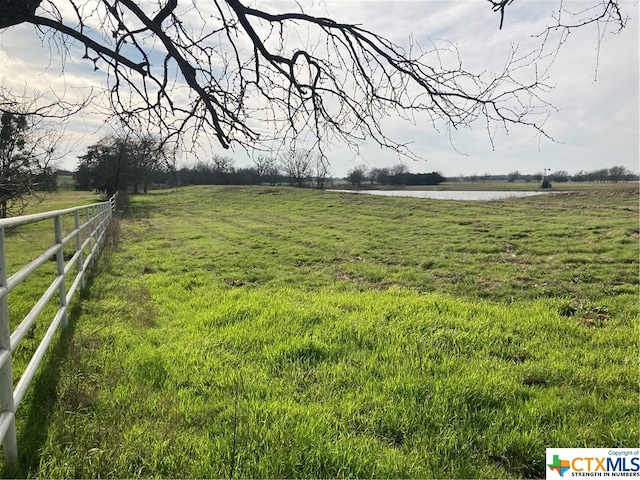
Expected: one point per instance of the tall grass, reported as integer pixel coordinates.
(257, 332)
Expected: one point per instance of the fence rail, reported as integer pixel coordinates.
(88, 234)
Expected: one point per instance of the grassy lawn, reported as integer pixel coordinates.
(274, 332)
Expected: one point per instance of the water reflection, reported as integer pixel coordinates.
(470, 195)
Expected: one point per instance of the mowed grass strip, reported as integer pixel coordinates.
(258, 332)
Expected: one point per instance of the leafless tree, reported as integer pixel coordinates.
(618, 173)
(322, 173)
(247, 71)
(38, 105)
(273, 175)
(513, 176)
(297, 165)
(264, 166)
(149, 156)
(222, 168)
(559, 176)
(357, 175)
(397, 173)
(379, 175)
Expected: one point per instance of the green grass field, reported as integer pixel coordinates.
(280, 333)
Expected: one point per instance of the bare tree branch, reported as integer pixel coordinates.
(190, 68)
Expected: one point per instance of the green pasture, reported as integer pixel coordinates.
(283, 333)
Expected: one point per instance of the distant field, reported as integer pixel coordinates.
(66, 182)
(278, 333)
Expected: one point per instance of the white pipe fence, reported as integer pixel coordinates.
(89, 236)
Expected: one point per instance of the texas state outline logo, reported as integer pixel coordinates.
(559, 465)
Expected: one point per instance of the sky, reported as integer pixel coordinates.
(594, 122)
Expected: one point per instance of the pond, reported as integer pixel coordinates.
(482, 195)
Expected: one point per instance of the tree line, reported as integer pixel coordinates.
(397, 175)
(134, 163)
(615, 174)
(28, 154)
(130, 163)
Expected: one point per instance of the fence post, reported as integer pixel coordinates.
(90, 235)
(113, 201)
(60, 259)
(97, 214)
(80, 262)
(10, 441)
